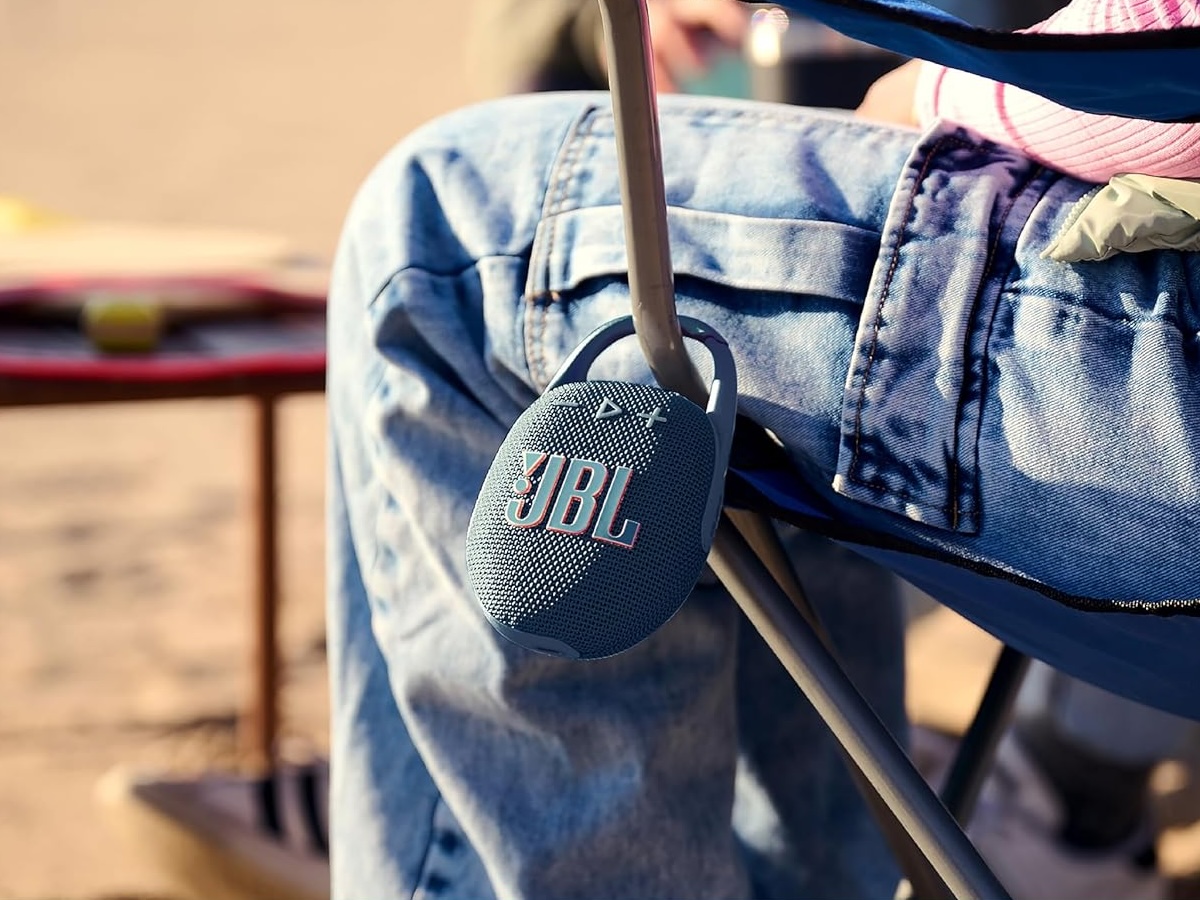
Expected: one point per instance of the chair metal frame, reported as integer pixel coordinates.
(924, 832)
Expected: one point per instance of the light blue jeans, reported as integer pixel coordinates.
(933, 379)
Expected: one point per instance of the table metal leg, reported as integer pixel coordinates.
(260, 720)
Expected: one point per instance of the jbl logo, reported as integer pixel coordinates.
(568, 501)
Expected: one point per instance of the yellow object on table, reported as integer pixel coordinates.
(117, 323)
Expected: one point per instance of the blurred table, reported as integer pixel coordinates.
(261, 341)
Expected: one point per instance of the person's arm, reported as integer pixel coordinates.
(529, 45)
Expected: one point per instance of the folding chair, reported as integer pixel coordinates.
(1078, 71)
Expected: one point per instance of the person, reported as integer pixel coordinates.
(1066, 811)
(516, 46)
(481, 251)
(1076, 769)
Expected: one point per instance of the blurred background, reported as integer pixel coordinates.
(126, 560)
(125, 530)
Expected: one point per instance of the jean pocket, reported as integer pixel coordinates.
(918, 380)
(716, 255)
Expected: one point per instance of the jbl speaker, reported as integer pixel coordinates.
(597, 514)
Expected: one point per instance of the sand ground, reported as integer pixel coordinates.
(124, 530)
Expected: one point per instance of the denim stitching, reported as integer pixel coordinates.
(877, 325)
(588, 126)
(572, 169)
(952, 509)
(1103, 316)
(552, 201)
(988, 270)
(556, 199)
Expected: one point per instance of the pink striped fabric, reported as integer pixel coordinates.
(1085, 145)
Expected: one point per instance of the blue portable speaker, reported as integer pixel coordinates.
(598, 512)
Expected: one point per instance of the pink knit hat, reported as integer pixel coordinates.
(1085, 145)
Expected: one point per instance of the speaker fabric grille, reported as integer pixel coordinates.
(597, 597)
